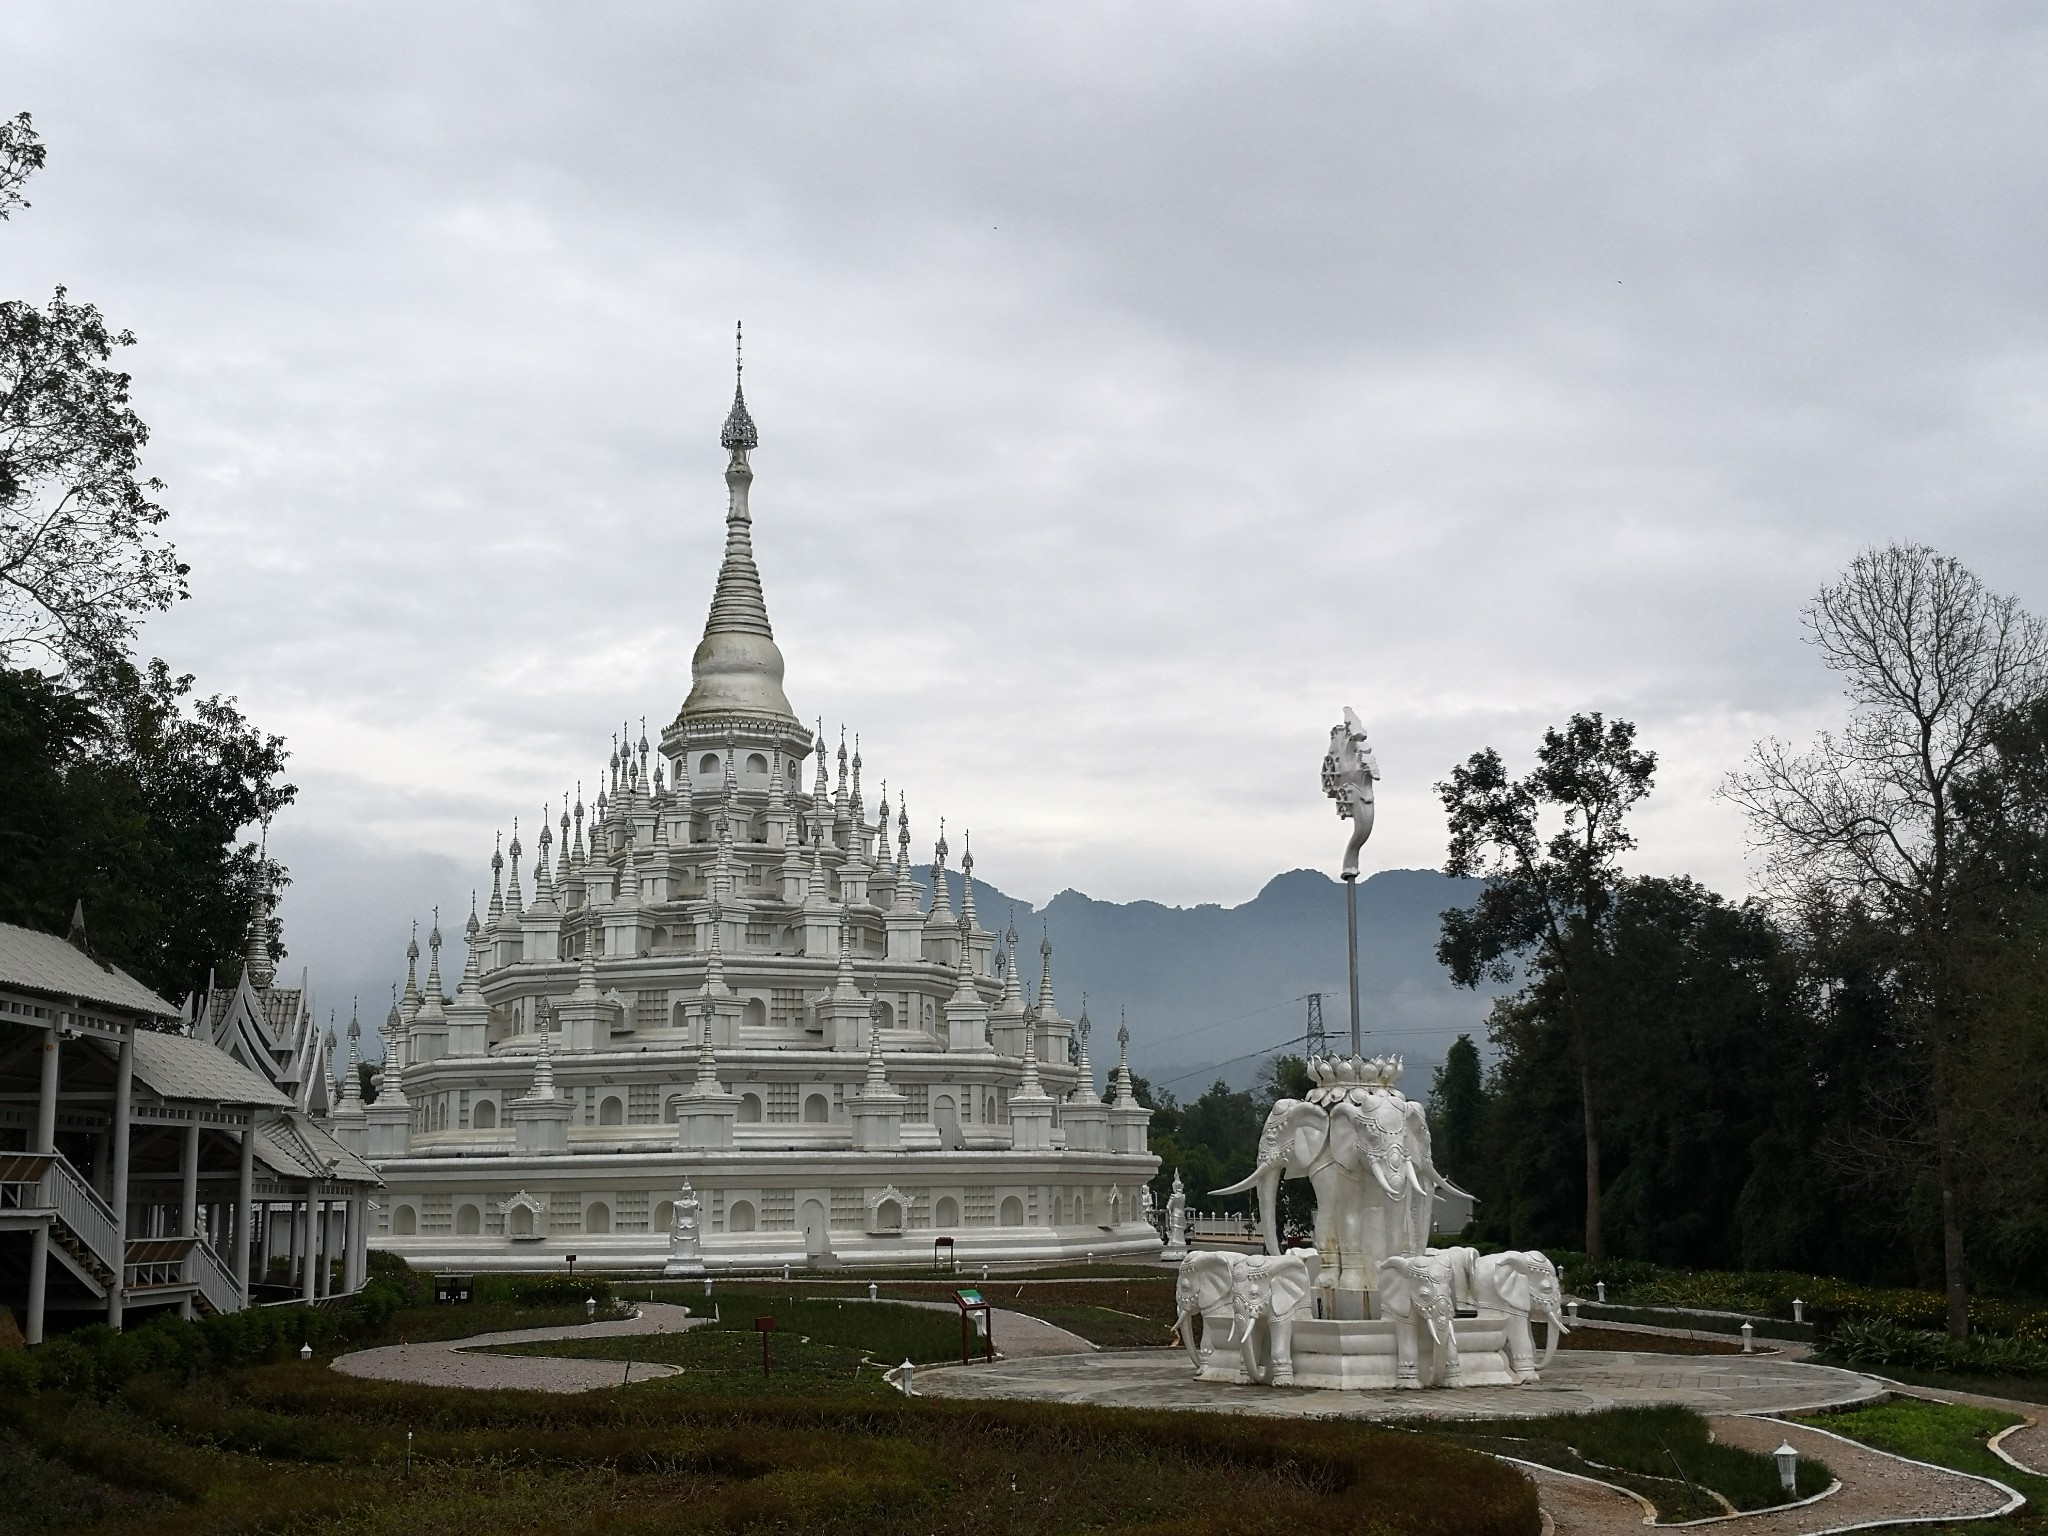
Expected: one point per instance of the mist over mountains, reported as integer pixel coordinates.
(1209, 991)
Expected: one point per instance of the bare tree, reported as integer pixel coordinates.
(1934, 665)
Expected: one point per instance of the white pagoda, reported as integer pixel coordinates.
(728, 1029)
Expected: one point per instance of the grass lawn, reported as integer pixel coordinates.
(828, 1347)
(1662, 1453)
(1947, 1434)
(1114, 1312)
(301, 1448)
(2027, 1389)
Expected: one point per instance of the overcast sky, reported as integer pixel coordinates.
(1137, 386)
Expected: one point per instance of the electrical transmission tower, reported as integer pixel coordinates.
(1318, 1044)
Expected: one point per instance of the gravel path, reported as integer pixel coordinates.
(450, 1363)
(1875, 1488)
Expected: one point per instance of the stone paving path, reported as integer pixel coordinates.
(447, 1363)
(1578, 1381)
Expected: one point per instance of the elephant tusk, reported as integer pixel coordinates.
(1248, 1183)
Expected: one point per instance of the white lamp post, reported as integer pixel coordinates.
(590, 1309)
(1788, 1465)
(1600, 1291)
(1749, 1338)
(1798, 1310)
(305, 1351)
(873, 1290)
(903, 1374)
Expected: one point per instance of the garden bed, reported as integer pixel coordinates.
(1665, 1454)
(300, 1447)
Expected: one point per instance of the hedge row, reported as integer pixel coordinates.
(1770, 1293)
(1879, 1342)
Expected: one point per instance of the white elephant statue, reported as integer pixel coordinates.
(1205, 1287)
(1249, 1301)
(1519, 1287)
(1365, 1148)
(1272, 1293)
(1419, 1292)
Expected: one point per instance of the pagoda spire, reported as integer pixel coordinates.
(1047, 1008)
(1125, 1098)
(515, 898)
(906, 888)
(543, 878)
(1084, 1090)
(737, 668)
(496, 909)
(352, 1082)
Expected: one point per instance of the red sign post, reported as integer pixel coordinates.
(764, 1326)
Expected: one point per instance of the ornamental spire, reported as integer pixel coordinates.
(737, 668)
(1084, 1090)
(1047, 1008)
(515, 898)
(1125, 1098)
(496, 909)
(543, 878)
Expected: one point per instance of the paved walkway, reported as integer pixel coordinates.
(453, 1363)
(448, 1363)
(1578, 1381)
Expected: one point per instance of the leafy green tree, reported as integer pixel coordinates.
(1935, 666)
(1548, 892)
(1458, 1112)
(128, 793)
(81, 558)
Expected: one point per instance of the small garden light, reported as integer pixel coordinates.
(1572, 1308)
(1788, 1465)
(1749, 1338)
(874, 1291)
(1798, 1310)
(305, 1351)
(1600, 1291)
(903, 1374)
(590, 1308)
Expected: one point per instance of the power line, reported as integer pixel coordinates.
(1217, 1066)
(1205, 1028)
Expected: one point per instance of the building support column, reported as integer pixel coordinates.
(124, 1093)
(352, 1248)
(188, 1172)
(312, 1250)
(46, 1097)
(38, 1280)
(245, 1179)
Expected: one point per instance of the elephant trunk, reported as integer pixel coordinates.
(1184, 1325)
(1266, 1180)
(1550, 1346)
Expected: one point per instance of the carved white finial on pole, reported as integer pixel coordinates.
(1349, 770)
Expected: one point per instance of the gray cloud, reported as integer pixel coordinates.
(1137, 385)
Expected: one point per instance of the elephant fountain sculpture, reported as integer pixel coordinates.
(1371, 1304)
